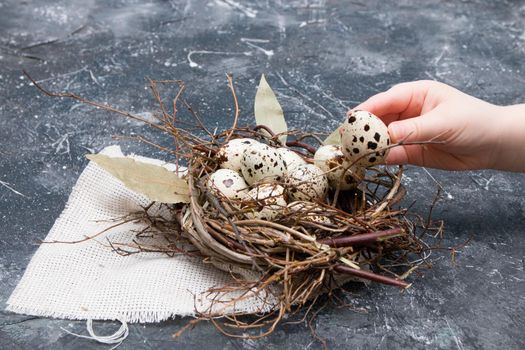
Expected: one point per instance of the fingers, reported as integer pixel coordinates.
(409, 130)
(402, 101)
(412, 114)
(422, 155)
(397, 156)
(428, 127)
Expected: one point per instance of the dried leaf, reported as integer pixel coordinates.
(334, 138)
(268, 111)
(154, 181)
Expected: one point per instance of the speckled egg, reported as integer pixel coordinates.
(331, 160)
(291, 159)
(230, 154)
(262, 163)
(363, 133)
(307, 183)
(227, 183)
(267, 202)
(309, 211)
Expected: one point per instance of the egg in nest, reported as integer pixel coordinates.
(230, 154)
(265, 202)
(331, 160)
(307, 183)
(227, 183)
(262, 163)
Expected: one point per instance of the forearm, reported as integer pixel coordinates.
(511, 139)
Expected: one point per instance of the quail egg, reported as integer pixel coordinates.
(307, 183)
(308, 211)
(331, 160)
(291, 159)
(230, 154)
(265, 202)
(363, 133)
(262, 163)
(227, 183)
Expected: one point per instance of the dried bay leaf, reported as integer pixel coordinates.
(154, 181)
(268, 111)
(334, 138)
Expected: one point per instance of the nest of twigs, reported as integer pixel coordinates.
(307, 252)
(298, 255)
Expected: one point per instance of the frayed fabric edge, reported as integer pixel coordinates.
(129, 317)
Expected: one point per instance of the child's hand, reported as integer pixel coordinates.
(475, 134)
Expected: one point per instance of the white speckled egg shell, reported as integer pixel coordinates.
(268, 196)
(309, 212)
(362, 133)
(230, 154)
(307, 183)
(261, 163)
(228, 183)
(291, 159)
(331, 160)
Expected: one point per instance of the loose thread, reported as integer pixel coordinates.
(116, 338)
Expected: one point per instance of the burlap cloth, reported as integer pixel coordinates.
(90, 281)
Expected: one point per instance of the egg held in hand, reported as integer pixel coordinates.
(362, 134)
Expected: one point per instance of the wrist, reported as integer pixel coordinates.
(510, 138)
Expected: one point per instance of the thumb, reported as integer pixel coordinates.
(406, 130)
(423, 128)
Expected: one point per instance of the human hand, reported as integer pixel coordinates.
(470, 133)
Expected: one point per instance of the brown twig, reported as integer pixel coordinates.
(306, 146)
(361, 239)
(92, 103)
(371, 276)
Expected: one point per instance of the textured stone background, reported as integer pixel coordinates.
(321, 57)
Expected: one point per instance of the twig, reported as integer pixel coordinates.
(302, 145)
(92, 103)
(360, 239)
(94, 236)
(371, 276)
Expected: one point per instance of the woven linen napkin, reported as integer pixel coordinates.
(89, 280)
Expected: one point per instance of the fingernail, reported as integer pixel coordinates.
(396, 131)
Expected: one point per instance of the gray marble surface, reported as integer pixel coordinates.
(321, 57)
